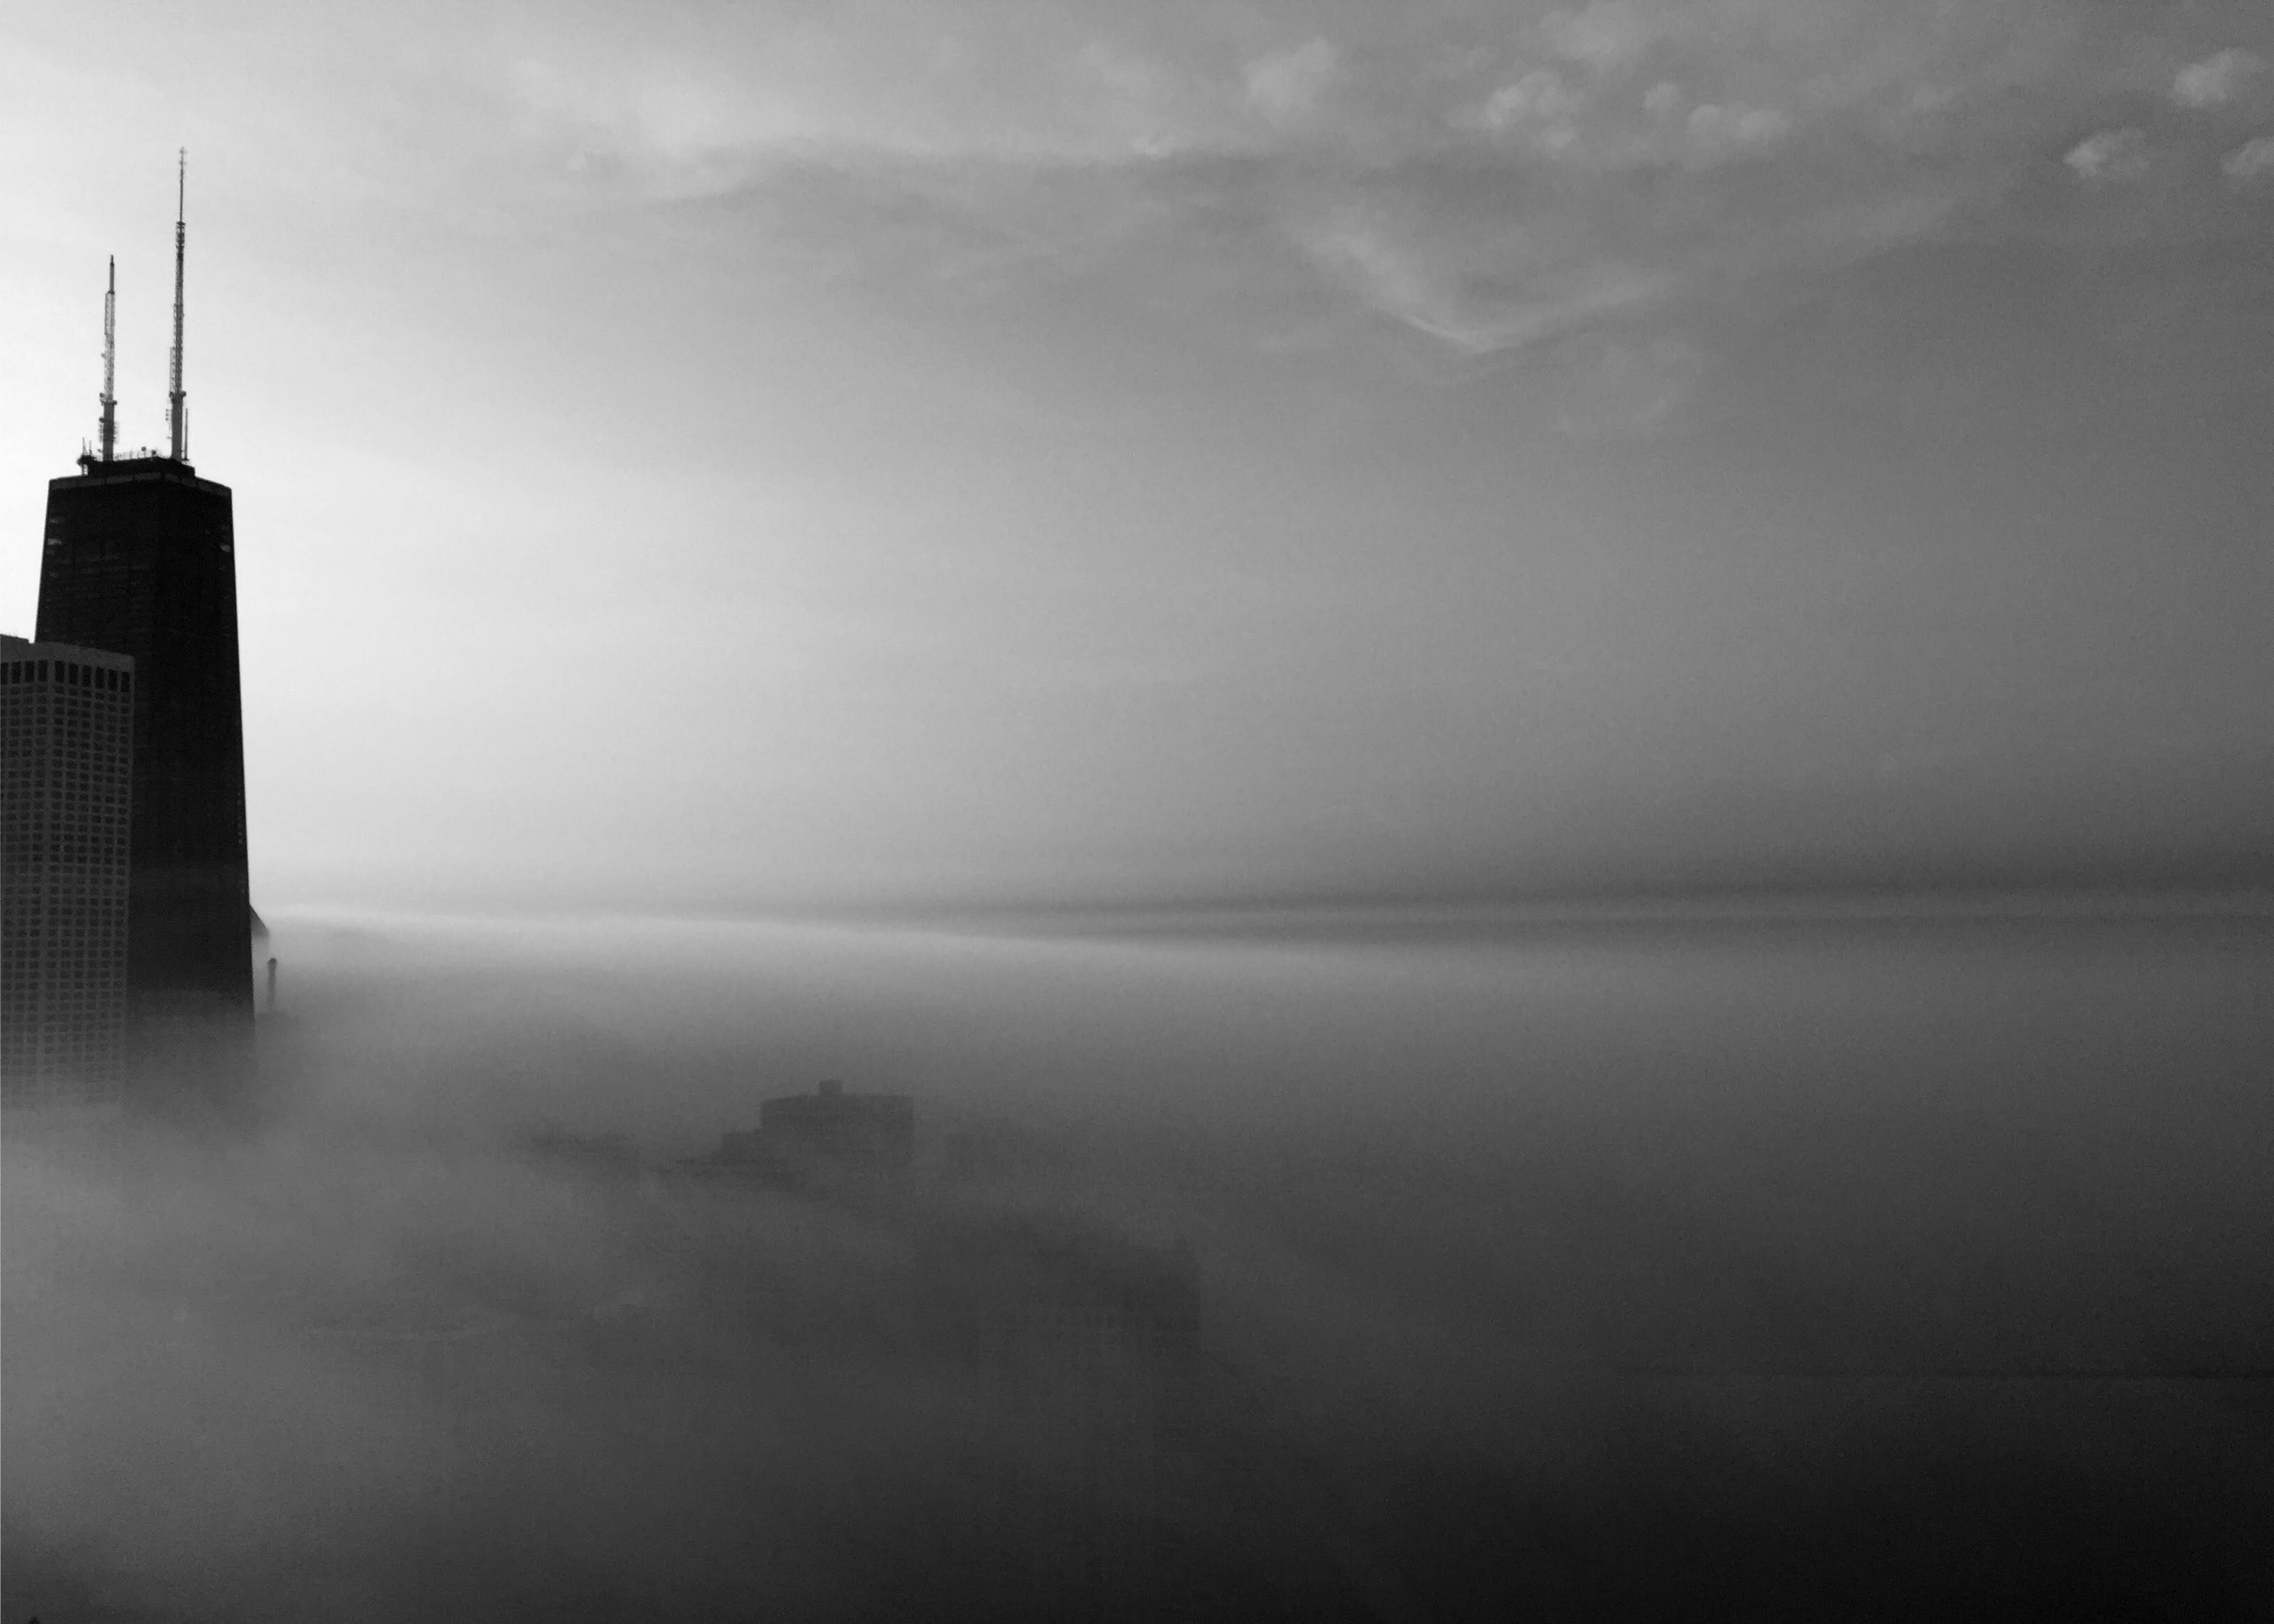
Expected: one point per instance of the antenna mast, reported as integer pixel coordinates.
(179, 413)
(110, 361)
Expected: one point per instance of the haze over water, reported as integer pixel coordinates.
(1600, 1267)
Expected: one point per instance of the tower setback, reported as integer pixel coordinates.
(66, 771)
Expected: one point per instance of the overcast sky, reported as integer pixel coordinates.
(697, 455)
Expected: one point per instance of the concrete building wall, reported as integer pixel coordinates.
(877, 1128)
(66, 782)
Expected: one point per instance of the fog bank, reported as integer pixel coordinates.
(1789, 1265)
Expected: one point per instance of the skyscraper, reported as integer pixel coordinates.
(66, 771)
(139, 560)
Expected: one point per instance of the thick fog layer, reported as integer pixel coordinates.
(1906, 1266)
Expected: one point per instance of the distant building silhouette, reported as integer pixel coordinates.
(872, 1129)
(66, 780)
(815, 1141)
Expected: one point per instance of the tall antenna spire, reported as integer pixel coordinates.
(179, 409)
(110, 360)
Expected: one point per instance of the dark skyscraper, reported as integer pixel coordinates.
(139, 560)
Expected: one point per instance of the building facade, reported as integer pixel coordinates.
(140, 559)
(66, 822)
(860, 1130)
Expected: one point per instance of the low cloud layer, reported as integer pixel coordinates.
(1582, 1269)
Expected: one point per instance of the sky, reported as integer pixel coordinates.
(692, 457)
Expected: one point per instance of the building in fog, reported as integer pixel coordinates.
(875, 1130)
(1089, 1342)
(66, 818)
(816, 1139)
(140, 559)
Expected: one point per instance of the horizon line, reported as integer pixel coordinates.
(1316, 916)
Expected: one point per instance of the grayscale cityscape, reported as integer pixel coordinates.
(978, 812)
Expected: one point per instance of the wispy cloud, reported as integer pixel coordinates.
(1286, 86)
(1499, 290)
(2250, 164)
(1486, 179)
(1537, 108)
(1718, 131)
(1606, 35)
(1616, 386)
(2108, 156)
(2217, 79)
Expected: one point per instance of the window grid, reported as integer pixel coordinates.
(65, 766)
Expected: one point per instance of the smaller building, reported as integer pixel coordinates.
(874, 1129)
(817, 1141)
(66, 783)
